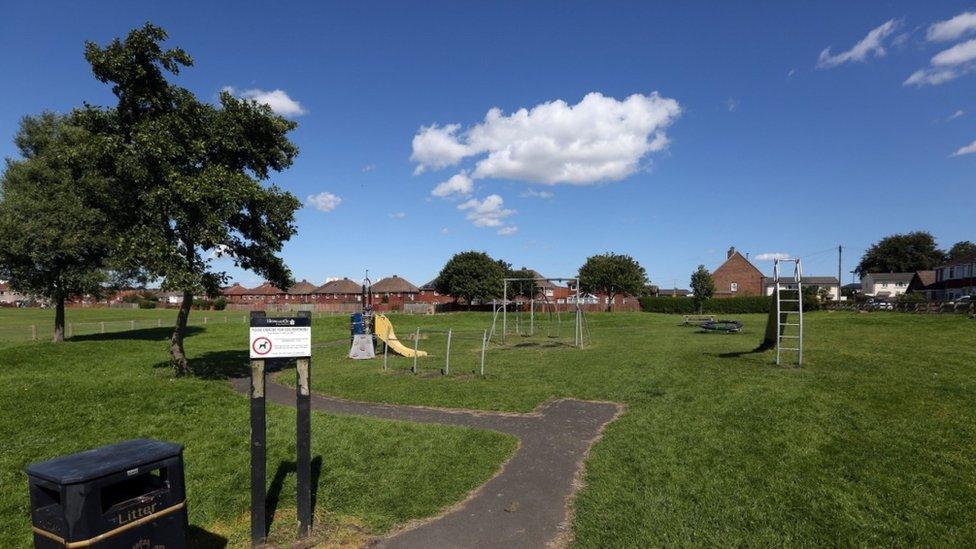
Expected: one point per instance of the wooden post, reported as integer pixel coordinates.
(416, 340)
(159, 323)
(102, 326)
(386, 347)
(258, 453)
(69, 329)
(132, 324)
(33, 332)
(484, 343)
(258, 448)
(304, 446)
(447, 355)
(204, 320)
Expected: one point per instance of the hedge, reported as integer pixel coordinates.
(728, 305)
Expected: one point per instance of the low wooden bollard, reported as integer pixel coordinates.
(102, 327)
(416, 341)
(132, 324)
(447, 355)
(484, 343)
(33, 332)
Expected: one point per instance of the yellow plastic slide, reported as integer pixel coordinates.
(384, 330)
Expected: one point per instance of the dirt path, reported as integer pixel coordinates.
(528, 503)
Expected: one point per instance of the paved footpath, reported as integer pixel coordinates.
(528, 503)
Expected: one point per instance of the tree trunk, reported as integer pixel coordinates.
(58, 319)
(176, 352)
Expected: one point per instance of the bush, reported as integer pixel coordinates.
(147, 303)
(202, 304)
(729, 305)
(220, 303)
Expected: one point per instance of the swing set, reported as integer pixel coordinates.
(541, 311)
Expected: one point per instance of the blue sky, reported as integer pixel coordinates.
(743, 132)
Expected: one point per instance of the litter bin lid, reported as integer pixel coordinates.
(99, 462)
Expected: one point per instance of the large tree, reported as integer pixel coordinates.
(523, 288)
(472, 276)
(961, 249)
(54, 242)
(612, 274)
(188, 174)
(702, 287)
(901, 253)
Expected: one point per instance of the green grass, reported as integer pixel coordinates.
(57, 399)
(872, 442)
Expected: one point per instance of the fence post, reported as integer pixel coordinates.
(386, 347)
(33, 332)
(159, 323)
(132, 324)
(102, 326)
(225, 319)
(416, 341)
(447, 356)
(69, 329)
(484, 342)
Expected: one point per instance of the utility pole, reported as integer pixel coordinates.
(840, 281)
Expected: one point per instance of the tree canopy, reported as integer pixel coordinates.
(961, 249)
(612, 274)
(702, 287)
(523, 288)
(472, 276)
(901, 253)
(187, 175)
(56, 241)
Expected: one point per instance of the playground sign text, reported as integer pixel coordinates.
(281, 337)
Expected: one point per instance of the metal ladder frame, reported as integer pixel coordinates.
(780, 323)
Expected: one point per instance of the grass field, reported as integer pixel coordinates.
(870, 443)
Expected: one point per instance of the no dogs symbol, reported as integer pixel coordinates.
(261, 346)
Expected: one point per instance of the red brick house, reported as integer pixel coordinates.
(300, 292)
(341, 290)
(737, 276)
(234, 293)
(429, 294)
(394, 291)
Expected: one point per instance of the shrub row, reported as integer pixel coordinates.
(730, 305)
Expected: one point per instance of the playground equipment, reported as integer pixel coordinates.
(550, 311)
(385, 333)
(361, 330)
(724, 326)
(785, 324)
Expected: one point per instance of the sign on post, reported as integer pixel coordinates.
(280, 338)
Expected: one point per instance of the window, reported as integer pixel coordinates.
(952, 272)
(734, 287)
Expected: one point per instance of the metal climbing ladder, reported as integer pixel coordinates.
(789, 310)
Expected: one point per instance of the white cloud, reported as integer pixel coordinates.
(956, 55)
(731, 104)
(946, 65)
(872, 44)
(445, 230)
(960, 25)
(791, 73)
(278, 100)
(769, 256)
(956, 115)
(369, 168)
(598, 139)
(932, 77)
(532, 193)
(398, 215)
(486, 213)
(459, 184)
(324, 201)
(508, 230)
(968, 149)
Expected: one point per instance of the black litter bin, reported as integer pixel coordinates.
(129, 494)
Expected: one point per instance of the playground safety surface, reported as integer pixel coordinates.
(528, 503)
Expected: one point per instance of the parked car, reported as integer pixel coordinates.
(876, 304)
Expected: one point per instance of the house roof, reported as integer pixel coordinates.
(395, 284)
(891, 277)
(265, 289)
(429, 286)
(925, 277)
(301, 288)
(673, 292)
(234, 289)
(734, 255)
(966, 259)
(546, 284)
(339, 286)
(812, 280)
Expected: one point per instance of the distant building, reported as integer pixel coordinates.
(954, 279)
(10, 297)
(395, 291)
(429, 294)
(885, 284)
(340, 290)
(818, 282)
(737, 276)
(923, 282)
(672, 292)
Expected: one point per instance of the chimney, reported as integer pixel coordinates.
(730, 252)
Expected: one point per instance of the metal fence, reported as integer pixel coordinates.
(923, 307)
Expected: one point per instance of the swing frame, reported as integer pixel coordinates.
(579, 331)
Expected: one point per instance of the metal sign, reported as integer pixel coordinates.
(281, 337)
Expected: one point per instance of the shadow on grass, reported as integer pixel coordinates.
(145, 334)
(218, 365)
(286, 468)
(198, 537)
(761, 348)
